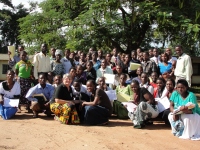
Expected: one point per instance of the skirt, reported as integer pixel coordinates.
(191, 126)
(25, 85)
(65, 113)
(96, 115)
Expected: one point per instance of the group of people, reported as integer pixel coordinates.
(74, 87)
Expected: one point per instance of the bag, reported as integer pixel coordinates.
(7, 112)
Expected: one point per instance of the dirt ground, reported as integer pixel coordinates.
(43, 133)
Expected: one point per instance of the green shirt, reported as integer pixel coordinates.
(179, 101)
(126, 90)
(24, 69)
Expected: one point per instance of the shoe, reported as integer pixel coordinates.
(140, 125)
(35, 114)
(147, 122)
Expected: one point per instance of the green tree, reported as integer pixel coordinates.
(124, 24)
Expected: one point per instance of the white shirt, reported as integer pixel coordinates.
(148, 87)
(184, 68)
(67, 64)
(156, 59)
(100, 72)
(83, 90)
(172, 59)
(16, 90)
(41, 64)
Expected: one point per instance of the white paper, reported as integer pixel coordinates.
(130, 106)
(11, 102)
(163, 103)
(109, 78)
(111, 95)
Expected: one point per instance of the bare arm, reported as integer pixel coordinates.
(95, 102)
(149, 98)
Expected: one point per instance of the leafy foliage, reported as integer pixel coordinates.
(124, 24)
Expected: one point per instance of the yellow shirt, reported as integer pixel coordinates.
(41, 64)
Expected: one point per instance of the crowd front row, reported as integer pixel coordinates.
(73, 105)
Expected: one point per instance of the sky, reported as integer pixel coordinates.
(24, 2)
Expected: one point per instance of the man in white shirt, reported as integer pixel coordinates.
(171, 58)
(183, 68)
(156, 57)
(41, 62)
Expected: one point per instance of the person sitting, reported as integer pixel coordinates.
(80, 75)
(63, 105)
(146, 106)
(118, 108)
(11, 90)
(162, 92)
(72, 73)
(145, 83)
(57, 81)
(38, 104)
(187, 124)
(90, 71)
(117, 75)
(139, 73)
(102, 84)
(79, 95)
(96, 63)
(103, 70)
(98, 110)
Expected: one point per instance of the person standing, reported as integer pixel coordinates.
(24, 72)
(148, 65)
(183, 68)
(16, 58)
(67, 62)
(41, 62)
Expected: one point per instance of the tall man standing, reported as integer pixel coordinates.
(183, 68)
(41, 62)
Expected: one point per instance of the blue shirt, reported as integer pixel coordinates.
(96, 66)
(48, 92)
(164, 68)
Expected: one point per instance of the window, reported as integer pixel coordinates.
(5, 67)
(196, 68)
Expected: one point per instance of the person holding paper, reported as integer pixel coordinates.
(146, 106)
(187, 124)
(103, 70)
(16, 58)
(132, 73)
(118, 108)
(117, 76)
(161, 96)
(44, 88)
(102, 84)
(145, 83)
(9, 89)
(98, 110)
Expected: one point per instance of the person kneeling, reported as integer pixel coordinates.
(38, 103)
(98, 110)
